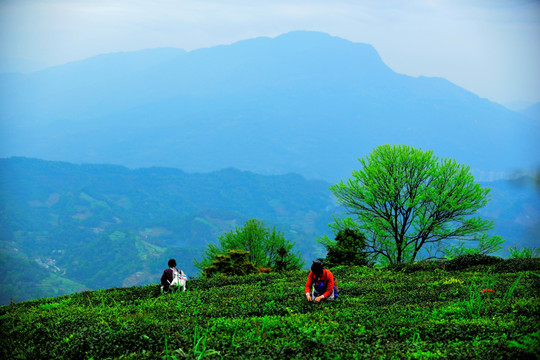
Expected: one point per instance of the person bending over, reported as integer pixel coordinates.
(320, 284)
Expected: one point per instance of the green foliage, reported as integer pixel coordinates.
(380, 314)
(425, 265)
(477, 294)
(524, 252)
(98, 226)
(517, 265)
(486, 245)
(470, 262)
(467, 261)
(405, 198)
(267, 247)
(529, 342)
(234, 263)
(348, 248)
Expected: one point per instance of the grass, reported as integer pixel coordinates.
(380, 314)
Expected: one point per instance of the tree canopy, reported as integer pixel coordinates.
(404, 199)
(348, 248)
(267, 247)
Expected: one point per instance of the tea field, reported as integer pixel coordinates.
(422, 311)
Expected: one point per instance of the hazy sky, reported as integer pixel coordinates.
(490, 47)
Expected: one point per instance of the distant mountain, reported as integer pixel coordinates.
(67, 227)
(532, 111)
(517, 105)
(303, 102)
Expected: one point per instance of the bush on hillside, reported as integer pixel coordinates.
(266, 247)
(517, 265)
(234, 263)
(467, 261)
(426, 265)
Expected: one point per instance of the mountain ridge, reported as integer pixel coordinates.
(302, 102)
(89, 226)
(92, 226)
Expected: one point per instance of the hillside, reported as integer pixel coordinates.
(419, 312)
(532, 111)
(303, 102)
(98, 226)
(81, 227)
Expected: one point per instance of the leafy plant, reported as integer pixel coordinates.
(530, 343)
(477, 292)
(524, 252)
(508, 294)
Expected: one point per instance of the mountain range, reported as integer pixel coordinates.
(77, 227)
(303, 102)
(260, 129)
(66, 227)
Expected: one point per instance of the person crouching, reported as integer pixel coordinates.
(167, 277)
(320, 284)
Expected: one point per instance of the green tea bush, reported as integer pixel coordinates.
(380, 314)
(467, 261)
(517, 265)
(427, 265)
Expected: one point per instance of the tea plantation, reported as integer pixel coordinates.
(421, 311)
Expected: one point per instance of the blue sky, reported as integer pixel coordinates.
(490, 47)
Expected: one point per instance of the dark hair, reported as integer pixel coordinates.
(317, 268)
(172, 263)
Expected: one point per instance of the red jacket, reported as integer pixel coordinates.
(327, 278)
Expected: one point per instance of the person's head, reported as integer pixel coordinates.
(172, 263)
(317, 268)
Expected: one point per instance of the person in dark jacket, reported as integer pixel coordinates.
(167, 277)
(322, 281)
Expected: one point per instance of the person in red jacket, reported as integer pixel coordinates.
(322, 281)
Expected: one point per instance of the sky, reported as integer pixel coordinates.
(489, 47)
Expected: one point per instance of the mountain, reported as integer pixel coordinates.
(83, 227)
(78, 227)
(517, 105)
(303, 102)
(532, 111)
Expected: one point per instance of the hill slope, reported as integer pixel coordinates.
(379, 314)
(97, 226)
(303, 102)
(100, 226)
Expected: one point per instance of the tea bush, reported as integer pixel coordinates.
(381, 313)
(517, 265)
(428, 265)
(467, 261)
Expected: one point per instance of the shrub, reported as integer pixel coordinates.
(469, 260)
(234, 263)
(265, 247)
(427, 265)
(517, 265)
(349, 248)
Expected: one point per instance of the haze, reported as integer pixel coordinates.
(489, 48)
